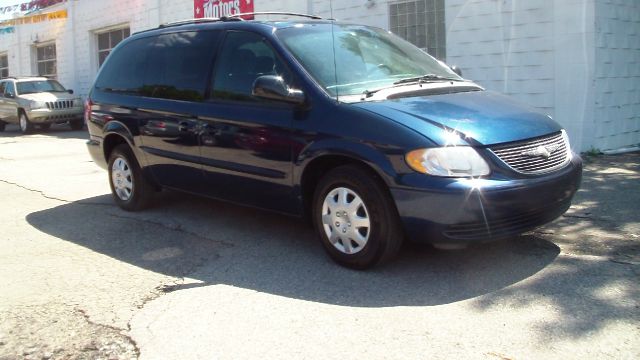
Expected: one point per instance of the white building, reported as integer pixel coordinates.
(577, 60)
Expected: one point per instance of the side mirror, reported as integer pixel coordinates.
(274, 88)
(9, 95)
(70, 91)
(456, 70)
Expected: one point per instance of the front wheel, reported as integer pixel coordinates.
(130, 189)
(356, 218)
(26, 126)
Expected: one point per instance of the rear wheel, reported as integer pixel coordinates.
(26, 126)
(130, 189)
(356, 218)
(76, 124)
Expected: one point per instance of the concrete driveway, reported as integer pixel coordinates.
(193, 278)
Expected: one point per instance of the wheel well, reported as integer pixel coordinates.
(110, 142)
(320, 166)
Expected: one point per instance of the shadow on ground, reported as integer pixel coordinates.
(60, 131)
(596, 283)
(219, 243)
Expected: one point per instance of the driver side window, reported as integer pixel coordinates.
(9, 89)
(244, 57)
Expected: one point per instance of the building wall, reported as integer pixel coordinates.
(538, 51)
(617, 74)
(577, 60)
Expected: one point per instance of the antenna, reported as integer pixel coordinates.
(333, 43)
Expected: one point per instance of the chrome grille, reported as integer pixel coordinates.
(529, 156)
(60, 104)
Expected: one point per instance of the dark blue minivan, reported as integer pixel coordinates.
(359, 131)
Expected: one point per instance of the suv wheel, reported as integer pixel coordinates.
(76, 124)
(355, 218)
(25, 125)
(2, 125)
(130, 189)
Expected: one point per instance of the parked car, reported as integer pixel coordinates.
(380, 144)
(38, 101)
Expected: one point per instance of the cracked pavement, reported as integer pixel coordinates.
(192, 278)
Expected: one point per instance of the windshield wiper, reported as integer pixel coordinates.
(415, 79)
(425, 78)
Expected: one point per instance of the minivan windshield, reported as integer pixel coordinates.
(366, 58)
(36, 86)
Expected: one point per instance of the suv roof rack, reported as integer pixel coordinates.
(236, 17)
(194, 21)
(315, 17)
(14, 77)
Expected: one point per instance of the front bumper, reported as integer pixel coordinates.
(48, 116)
(460, 211)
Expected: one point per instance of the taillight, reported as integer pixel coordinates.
(87, 110)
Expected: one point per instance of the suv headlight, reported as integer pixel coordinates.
(38, 105)
(454, 161)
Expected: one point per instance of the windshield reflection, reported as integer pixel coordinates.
(366, 58)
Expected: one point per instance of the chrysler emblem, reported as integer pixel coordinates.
(542, 151)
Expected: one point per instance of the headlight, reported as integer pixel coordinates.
(38, 105)
(454, 161)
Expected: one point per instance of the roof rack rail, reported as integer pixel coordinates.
(197, 21)
(315, 17)
(235, 17)
(15, 77)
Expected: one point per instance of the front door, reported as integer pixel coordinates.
(246, 141)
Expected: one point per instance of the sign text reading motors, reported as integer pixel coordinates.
(220, 8)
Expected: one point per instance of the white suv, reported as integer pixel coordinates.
(29, 101)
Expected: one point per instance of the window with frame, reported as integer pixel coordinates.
(422, 23)
(244, 57)
(108, 40)
(4, 66)
(46, 60)
(171, 66)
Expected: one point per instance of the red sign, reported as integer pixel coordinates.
(220, 8)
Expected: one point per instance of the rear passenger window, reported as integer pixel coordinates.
(180, 64)
(126, 68)
(244, 57)
(172, 66)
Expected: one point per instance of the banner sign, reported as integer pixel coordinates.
(220, 8)
(7, 30)
(29, 6)
(60, 14)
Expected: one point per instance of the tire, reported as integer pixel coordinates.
(44, 127)
(76, 124)
(129, 187)
(368, 204)
(26, 126)
(2, 125)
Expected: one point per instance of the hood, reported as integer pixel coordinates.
(481, 117)
(47, 96)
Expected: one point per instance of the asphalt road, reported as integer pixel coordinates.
(193, 278)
